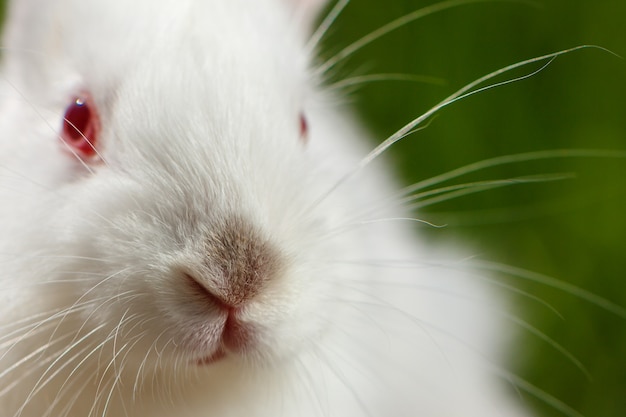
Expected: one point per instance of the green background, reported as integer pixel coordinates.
(573, 230)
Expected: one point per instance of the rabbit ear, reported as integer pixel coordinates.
(306, 11)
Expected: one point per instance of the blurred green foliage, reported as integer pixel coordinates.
(573, 230)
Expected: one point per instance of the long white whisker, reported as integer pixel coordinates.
(69, 403)
(551, 282)
(480, 187)
(462, 92)
(38, 113)
(30, 356)
(449, 193)
(540, 394)
(310, 387)
(116, 374)
(551, 342)
(86, 139)
(399, 198)
(40, 384)
(336, 370)
(362, 79)
(142, 365)
(48, 321)
(511, 159)
(390, 27)
(323, 27)
(412, 286)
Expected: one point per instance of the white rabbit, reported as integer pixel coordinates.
(207, 247)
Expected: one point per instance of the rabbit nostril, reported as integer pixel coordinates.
(236, 335)
(203, 292)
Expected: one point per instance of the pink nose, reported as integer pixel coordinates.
(239, 262)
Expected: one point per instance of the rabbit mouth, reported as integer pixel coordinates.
(237, 338)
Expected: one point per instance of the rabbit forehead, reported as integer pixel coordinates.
(201, 60)
(52, 39)
(262, 32)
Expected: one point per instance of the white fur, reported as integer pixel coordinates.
(199, 102)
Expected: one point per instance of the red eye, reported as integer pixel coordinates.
(81, 126)
(304, 129)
